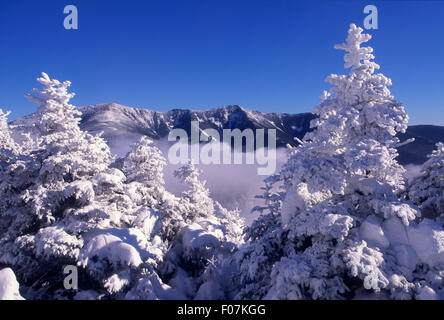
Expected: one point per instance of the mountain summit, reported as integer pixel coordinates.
(119, 122)
(122, 125)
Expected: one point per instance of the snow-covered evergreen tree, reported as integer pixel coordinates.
(341, 212)
(196, 199)
(68, 153)
(9, 151)
(143, 167)
(144, 164)
(427, 190)
(188, 234)
(208, 235)
(7, 144)
(12, 167)
(55, 181)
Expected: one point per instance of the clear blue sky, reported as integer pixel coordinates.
(271, 55)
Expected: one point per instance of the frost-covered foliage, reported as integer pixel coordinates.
(208, 236)
(64, 201)
(427, 190)
(49, 191)
(334, 226)
(9, 151)
(7, 144)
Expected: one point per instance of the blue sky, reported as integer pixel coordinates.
(268, 55)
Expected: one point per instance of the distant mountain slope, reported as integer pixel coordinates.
(426, 137)
(123, 125)
(120, 123)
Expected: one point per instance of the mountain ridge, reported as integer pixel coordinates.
(123, 125)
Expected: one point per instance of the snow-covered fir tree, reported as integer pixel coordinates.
(427, 190)
(143, 167)
(196, 198)
(197, 258)
(144, 164)
(7, 144)
(341, 229)
(56, 179)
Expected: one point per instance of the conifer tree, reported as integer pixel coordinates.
(330, 236)
(53, 183)
(427, 190)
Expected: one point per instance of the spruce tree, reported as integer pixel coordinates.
(427, 190)
(334, 228)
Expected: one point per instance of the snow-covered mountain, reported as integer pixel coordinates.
(122, 125)
(426, 137)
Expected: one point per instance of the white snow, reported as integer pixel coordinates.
(146, 220)
(9, 287)
(209, 291)
(423, 242)
(427, 293)
(406, 256)
(117, 282)
(427, 239)
(182, 282)
(371, 231)
(395, 231)
(152, 288)
(196, 237)
(111, 248)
